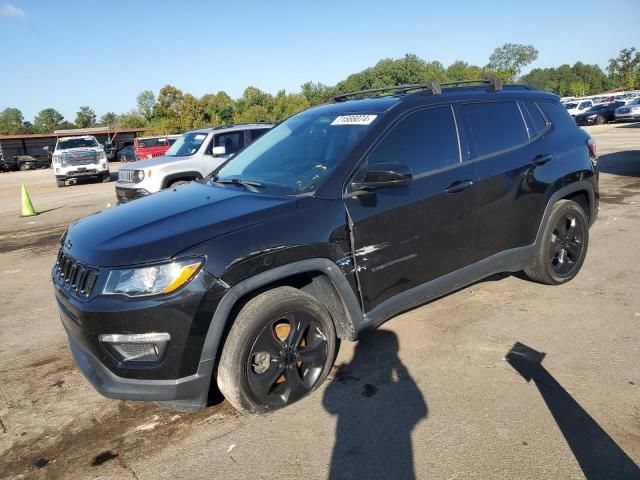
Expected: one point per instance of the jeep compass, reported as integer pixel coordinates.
(326, 226)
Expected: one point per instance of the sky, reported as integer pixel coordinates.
(66, 54)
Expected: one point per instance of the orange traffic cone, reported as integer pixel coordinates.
(27, 209)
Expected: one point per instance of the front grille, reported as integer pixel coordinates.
(86, 157)
(125, 176)
(74, 276)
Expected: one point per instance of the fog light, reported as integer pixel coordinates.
(136, 348)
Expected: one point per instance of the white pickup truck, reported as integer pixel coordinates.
(192, 157)
(76, 157)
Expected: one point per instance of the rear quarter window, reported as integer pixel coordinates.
(557, 115)
(535, 120)
(494, 126)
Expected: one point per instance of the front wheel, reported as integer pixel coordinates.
(563, 246)
(280, 349)
(600, 120)
(60, 183)
(106, 177)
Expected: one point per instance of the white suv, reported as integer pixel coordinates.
(192, 157)
(578, 106)
(76, 157)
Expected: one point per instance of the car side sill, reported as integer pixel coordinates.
(508, 261)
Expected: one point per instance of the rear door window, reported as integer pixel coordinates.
(494, 126)
(425, 140)
(557, 115)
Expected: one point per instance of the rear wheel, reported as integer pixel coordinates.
(280, 348)
(563, 245)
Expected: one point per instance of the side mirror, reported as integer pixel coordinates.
(218, 151)
(383, 175)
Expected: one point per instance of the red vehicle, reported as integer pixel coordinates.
(148, 147)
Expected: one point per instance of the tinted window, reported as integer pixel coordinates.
(425, 140)
(231, 141)
(257, 132)
(494, 126)
(535, 119)
(557, 115)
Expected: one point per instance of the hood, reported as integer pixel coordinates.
(153, 162)
(162, 225)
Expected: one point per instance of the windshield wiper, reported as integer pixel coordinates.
(248, 184)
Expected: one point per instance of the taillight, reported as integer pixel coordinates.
(593, 149)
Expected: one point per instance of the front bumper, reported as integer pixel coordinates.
(627, 117)
(181, 375)
(91, 170)
(125, 195)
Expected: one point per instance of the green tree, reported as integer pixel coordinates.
(169, 102)
(145, 101)
(109, 120)
(47, 120)
(66, 125)
(11, 122)
(191, 113)
(316, 93)
(131, 120)
(85, 117)
(624, 70)
(288, 104)
(509, 59)
(254, 106)
(579, 79)
(218, 108)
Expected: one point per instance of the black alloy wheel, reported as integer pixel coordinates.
(566, 245)
(287, 359)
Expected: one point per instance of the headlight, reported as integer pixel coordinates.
(593, 116)
(138, 176)
(152, 280)
(102, 156)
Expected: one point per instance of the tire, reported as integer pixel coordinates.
(60, 183)
(261, 367)
(23, 168)
(106, 178)
(123, 158)
(563, 245)
(600, 120)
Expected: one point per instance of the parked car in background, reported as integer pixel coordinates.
(112, 149)
(149, 147)
(75, 157)
(24, 162)
(628, 112)
(577, 107)
(599, 114)
(192, 157)
(126, 154)
(335, 221)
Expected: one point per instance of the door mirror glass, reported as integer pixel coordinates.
(382, 175)
(218, 151)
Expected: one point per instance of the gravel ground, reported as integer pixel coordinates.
(427, 396)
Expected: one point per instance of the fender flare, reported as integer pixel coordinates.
(167, 180)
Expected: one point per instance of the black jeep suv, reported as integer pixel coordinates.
(336, 220)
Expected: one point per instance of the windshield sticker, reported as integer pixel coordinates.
(200, 136)
(354, 120)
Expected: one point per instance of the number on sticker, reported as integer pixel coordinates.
(354, 120)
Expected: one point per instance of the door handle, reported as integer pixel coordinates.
(541, 159)
(459, 186)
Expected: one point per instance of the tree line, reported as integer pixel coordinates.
(174, 111)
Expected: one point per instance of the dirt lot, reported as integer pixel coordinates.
(429, 395)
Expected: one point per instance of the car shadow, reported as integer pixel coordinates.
(625, 163)
(598, 455)
(378, 405)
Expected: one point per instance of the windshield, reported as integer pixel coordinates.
(570, 105)
(597, 108)
(187, 144)
(297, 155)
(152, 142)
(64, 144)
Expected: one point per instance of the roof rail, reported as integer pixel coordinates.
(434, 87)
(494, 83)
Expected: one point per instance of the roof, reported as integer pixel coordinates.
(233, 127)
(74, 133)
